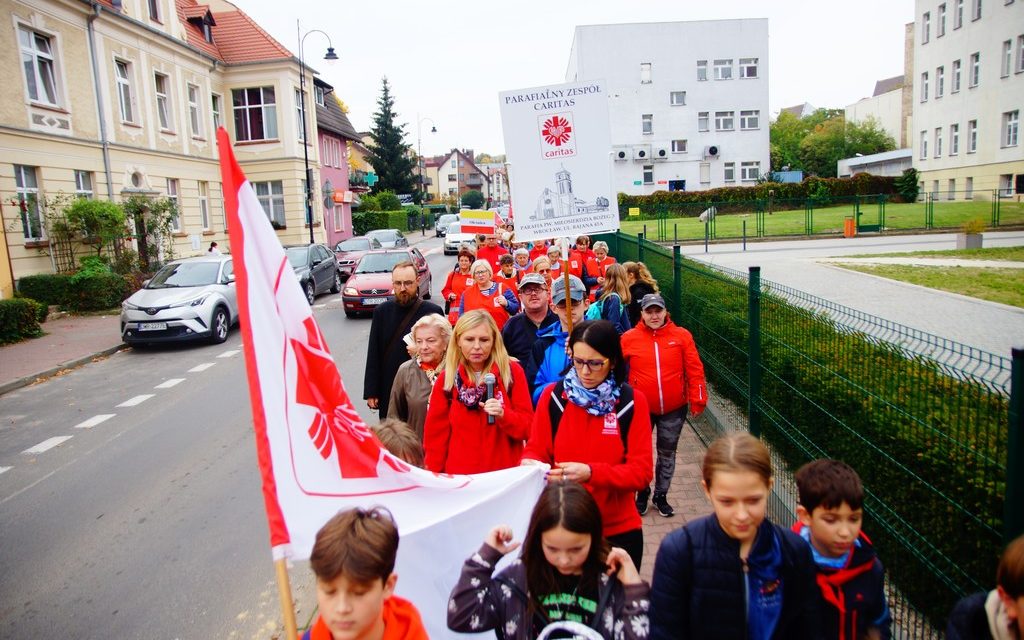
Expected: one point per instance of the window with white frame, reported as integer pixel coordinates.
(972, 136)
(172, 195)
(647, 123)
(974, 71)
(318, 93)
(1007, 59)
(702, 70)
(975, 9)
(940, 21)
(255, 113)
(339, 217)
(195, 116)
(940, 81)
(452, 177)
(83, 184)
(702, 121)
(648, 174)
(299, 120)
(154, 9)
(750, 119)
(271, 197)
(729, 172)
(969, 188)
(125, 95)
(216, 108)
(935, 188)
(1020, 55)
(453, 165)
(938, 141)
(679, 146)
(677, 98)
(924, 145)
(748, 67)
(924, 87)
(951, 189)
(204, 204)
(926, 27)
(750, 171)
(958, 14)
(1006, 185)
(724, 120)
(1011, 125)
(28, 202)
(955, 80)
(163, 103)
(37, 60)
(645, 73)
(723, 69)
(954, 139)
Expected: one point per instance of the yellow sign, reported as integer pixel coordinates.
(634, 211)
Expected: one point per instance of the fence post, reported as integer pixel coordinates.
(677, 282)
(640, 245)
(995, 208)
(754, 350)
(1013, 515)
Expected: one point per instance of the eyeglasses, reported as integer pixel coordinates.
(404, 284)
(561, 305)
(542, 270)
(481, 272)
(532, 291)
(589, 365)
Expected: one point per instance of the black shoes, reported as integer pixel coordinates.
(641, 501)
(664, 508)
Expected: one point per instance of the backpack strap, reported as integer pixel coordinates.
(624, 411)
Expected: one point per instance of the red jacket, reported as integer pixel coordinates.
(666, 367)
(458, 440)
(596, 268)
(616, 473)
(510, 282)
(539, 250)
(491, 254)
(401, 622)
(456, 283)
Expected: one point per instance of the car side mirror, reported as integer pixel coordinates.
(229, 279)
(145, 283)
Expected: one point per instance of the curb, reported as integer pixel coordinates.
(70, 364)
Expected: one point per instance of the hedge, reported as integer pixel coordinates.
(363, 221)
(47, 288)
(19, 319)
(98, 291)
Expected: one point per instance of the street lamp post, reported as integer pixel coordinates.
(330, 57)
(419, 146)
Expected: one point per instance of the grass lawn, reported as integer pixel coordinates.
(996, 285)
(1014, 254)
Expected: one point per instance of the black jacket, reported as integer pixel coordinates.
(520, 333)
(968, 619)
(380, 374)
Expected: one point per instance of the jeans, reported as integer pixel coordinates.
(667, 428)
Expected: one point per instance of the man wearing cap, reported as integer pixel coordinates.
(548, 358)
(520, 332)
(664, 365)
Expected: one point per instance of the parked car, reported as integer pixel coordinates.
(389, 238)
(315, 267)
(349, 251)
(455, 239)
(441, 226)
(370, 284)
(191, 299)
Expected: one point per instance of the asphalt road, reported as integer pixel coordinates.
(148, 522)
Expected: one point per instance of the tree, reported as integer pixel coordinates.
(389, 155)
(788, 131)
(907, 185)
(98, 222)
(834, 139)
(473, 199)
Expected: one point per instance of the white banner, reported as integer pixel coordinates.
(559, 147)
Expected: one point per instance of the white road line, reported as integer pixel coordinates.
(2, 469)
(228, 354)
(201, 367)
(95, 420)
(136, 400)
(167, 384)
(46, 445)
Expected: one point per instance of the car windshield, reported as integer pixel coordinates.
(380, 262)
(353, 244)
(297, 256)
(454, 228)
(383, 236)
(185, 274)
(448, 218)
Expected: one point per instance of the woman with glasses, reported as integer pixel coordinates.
(542, 266)
(466, 431)
(493, 297)
(593, 428)
(415, 378)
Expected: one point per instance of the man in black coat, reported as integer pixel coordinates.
(520, 332)
(386, 350)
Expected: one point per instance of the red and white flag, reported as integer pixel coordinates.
(315, 453)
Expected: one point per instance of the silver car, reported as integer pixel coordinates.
(191, 299)
(455, 239)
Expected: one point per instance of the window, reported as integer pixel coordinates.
(677, 98)
(702, 121)
(958, 14)
(215, 107)
(955, 81)
(679, 146)
(974, 73)
(452, 177)
(300, 122)
(255, 114)
(951, 190)
(924, 145)
(702, 70)
(172, 195)
(969, 189)
(163, 105)
(724, 120)
(954, 139)
(926, 27)
(271, 197)
(750, 171)
(339, 218)
(748, 67)
(972, 136)
(940, 21)
(723, 69)
(730, 172)
(28, 202)
(318, 94)
(124, 91)
(1007, 59)
(83, 184)
(1011, 125)
(1006, 185)
(37, 60)
(154, 9)
(648, 174)
(1020, 54)
(645, 73)
(938, 141)
(749, 119)
(204, 204)
(935, 188)
(975, 9)
(647, 123)
(940, 81)
(195, 119)
(924, 87)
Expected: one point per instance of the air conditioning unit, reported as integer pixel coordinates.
(661, 153)
(620, 153)
(642, 152)
(711, 151)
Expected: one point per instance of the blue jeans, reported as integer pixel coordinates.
(667, 428)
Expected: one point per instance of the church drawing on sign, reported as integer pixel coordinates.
(562, 202)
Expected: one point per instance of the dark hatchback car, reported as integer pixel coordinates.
(316, 269)
(370, 284)
(349, 251)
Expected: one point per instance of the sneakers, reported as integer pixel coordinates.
(664, 508)
(641, 500)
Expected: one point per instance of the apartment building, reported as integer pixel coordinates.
(335, 134)
(688, 101)
(457, 173)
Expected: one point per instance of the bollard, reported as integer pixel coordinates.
(705, 237)
(675, 233)
(744, 235)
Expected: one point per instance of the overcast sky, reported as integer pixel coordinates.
(448, 60)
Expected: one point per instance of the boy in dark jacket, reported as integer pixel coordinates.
(850, 576)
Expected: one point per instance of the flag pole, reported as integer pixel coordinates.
(284, 593)
(568, 297)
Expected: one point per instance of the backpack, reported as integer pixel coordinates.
(596, 312)
(624, 411)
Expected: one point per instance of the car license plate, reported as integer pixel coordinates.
(369, 301)
(152, 326)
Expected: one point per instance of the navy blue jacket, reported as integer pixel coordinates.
(520, 333)
(699, 588)
(968, 620)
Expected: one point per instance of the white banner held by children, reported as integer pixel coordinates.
(558, 145)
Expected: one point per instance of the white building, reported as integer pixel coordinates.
(688, 101)
(968, 94)
(885, 107)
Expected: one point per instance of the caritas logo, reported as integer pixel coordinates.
(558, 135)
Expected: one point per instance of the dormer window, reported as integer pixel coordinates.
(205, 23)
(207, 32)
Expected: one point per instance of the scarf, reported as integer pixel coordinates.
(473, 395)
(431, 373)
(597, 401)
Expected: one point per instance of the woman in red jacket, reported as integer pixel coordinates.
(592, 444)
(465, 432)
(456, 284)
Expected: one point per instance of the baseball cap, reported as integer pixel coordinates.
(576, 289)
(652, 300)
(533, 278)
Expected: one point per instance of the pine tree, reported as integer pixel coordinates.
(389, 155)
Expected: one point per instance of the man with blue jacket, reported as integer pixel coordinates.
(548, 360)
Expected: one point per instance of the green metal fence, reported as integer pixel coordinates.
(925, 420)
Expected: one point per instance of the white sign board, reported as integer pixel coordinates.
(558, 145)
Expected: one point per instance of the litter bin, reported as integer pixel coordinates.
(849, 227)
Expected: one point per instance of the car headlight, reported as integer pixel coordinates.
(349, 291)
(191, 302)
(127, 306)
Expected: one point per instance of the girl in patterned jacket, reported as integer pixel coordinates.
(566, 578)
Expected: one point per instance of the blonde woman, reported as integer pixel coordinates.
(415, 378)
(641, 282)
(542, 266)
(465, 432)
(613, 299)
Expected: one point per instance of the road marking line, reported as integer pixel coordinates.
(201, 367)
(95, 420)
(167, 384)
(228, 354)
(136, 400)
(46, 445)
(2, 469)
